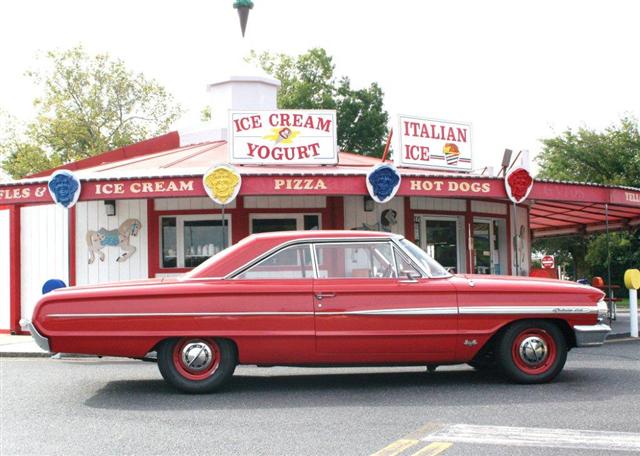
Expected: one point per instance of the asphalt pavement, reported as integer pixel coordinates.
(111, 406)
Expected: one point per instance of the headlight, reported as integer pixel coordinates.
(603, 310)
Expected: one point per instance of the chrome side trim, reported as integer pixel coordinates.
(511, 310)
(591, 336)
(410, 311)
(173, 314)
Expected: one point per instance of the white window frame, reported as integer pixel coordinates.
(180, 219)
(299, 216)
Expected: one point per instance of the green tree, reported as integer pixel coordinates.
(610, 157)
(309, 82)
(88, 105)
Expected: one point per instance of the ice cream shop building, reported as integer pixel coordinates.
(152, 209)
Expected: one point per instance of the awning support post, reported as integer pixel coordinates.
(606, 223)
(515, 238)
(224, 231)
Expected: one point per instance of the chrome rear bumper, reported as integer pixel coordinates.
(591, 336)
(40, 340)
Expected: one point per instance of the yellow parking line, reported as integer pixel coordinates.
(433, 449)
(396, 447)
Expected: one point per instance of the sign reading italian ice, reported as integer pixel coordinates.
(431, 143)
(297, 137)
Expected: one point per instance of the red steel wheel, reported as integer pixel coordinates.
(196, 359)
(532, 351)
(197, 364)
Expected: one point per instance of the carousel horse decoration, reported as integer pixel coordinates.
(383, 181)
(64, 188)
(121, 237)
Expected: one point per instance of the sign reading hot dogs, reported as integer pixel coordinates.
(300, 137)
(431, 143)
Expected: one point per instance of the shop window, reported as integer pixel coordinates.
(346, 260)
(289, 263)
(188, 240)
(264, 223)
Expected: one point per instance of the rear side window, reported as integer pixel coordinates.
(293, 262)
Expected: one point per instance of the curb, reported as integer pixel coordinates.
(25, 355)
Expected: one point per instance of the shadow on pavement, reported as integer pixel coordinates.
(380, 389)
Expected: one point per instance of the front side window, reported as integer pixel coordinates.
(426, 262)
(293, 262)
(351, 260)
(187, 241)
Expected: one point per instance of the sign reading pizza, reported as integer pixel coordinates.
(300, 137)
(548, 262)
(431, 143)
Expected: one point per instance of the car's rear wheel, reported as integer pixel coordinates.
(532, 351)
(196, 364)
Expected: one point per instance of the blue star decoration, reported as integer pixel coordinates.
(64, 188)
(383, 182)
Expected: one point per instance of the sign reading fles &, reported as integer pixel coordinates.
(431, 143)
(300, 137)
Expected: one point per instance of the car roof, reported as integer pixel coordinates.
(255, 245)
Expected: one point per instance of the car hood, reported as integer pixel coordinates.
(529, 284)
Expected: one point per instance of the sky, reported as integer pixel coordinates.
(517, 71)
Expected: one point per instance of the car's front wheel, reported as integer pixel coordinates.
(532, 351)
(196, 364)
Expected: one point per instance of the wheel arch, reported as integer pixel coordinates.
(563, 325)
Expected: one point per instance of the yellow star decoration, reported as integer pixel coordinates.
(222, 182)
(282, 135)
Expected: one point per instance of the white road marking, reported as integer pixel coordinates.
(537, 437)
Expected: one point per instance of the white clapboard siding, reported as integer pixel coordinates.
(5, 271)
(44, 251)
(91, 215)
(437, 204)
(285, 202)
(186, 204)
(487, 207)
(355, 215)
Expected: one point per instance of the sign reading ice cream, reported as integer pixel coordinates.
(300, 137)
(431, 143)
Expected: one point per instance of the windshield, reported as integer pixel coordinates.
(428, 264)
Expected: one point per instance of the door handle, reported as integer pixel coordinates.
(321, 296)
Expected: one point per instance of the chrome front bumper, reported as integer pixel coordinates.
(591, 336)
(40, 340)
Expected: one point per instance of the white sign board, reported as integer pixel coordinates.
(432, 143)
(297, 137)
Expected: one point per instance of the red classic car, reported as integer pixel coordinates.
(321, 298)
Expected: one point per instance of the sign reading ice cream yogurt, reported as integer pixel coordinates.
(300, 137)
(431, 143)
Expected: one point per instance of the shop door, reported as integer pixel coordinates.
(486, 247)
(439, 238)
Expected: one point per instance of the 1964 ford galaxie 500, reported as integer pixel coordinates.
(322, 298)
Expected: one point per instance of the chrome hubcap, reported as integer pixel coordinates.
(196, 356)
(533, 350)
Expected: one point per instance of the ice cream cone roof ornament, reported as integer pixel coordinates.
(243, 7)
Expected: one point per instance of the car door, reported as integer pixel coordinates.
(273, 306)
(363, 305)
